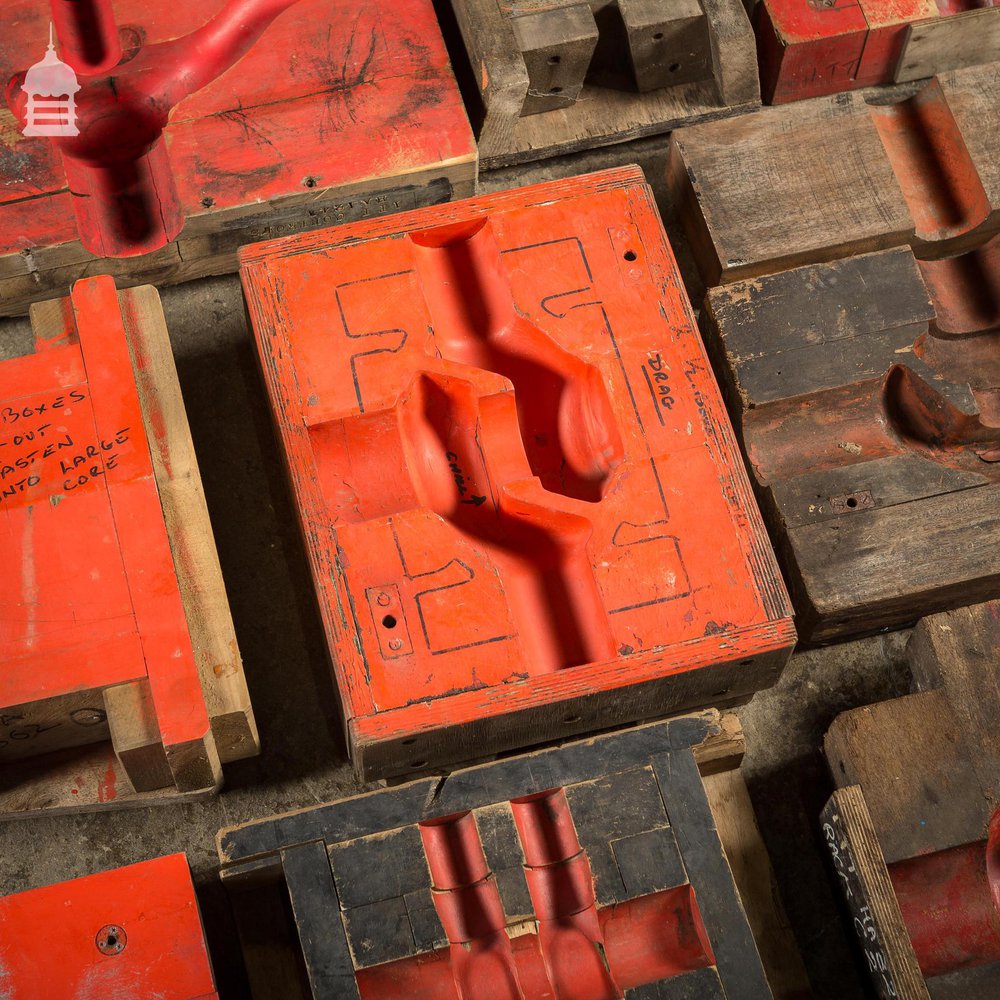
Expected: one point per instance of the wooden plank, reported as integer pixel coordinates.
(251, 151)
(954, 42)
(540, 642)
(954, 651)
(714, 67)
(754, 877)
(872, 181)
(864, 881)
(908, 757)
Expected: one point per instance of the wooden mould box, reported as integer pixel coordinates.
(917, 776)
(836, 176)
(130, 932)
(341, 111)
(114, 622)
(867, 396)
(381, 884)
(556, 76)
(521, 498)
(806, 49)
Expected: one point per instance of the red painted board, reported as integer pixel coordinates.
(124, 934)
(807, 48)
(514, 474)
(94, 600)
(334, 93)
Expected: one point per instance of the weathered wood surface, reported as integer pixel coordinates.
(492, 594)
(360, 887)
(835, 176)
(916, 775)
(136, 643)
(811, 49)
(126, 933)
(556, 78)
(866, 393)
(295, 136)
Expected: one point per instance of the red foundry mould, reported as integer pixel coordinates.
(524, 507)
(130, 932)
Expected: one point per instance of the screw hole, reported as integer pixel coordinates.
(207, 202)
(658, 36)
(630, 255)
(389, 621)
(555, 90)
(852, 502)
(309, 182)
(554, 60)
(674, 67)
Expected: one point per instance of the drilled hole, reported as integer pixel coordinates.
(658, 36)
(674, 67)
(309, 182)
(629, 255)
(555, 90)
(554, 60)
(389, 621)
(852, 502)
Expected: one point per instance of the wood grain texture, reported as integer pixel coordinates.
(162, 742)
(821, 367)
(417, 572)
(954, 42)
(374, 922)
(291, 138)
(835, 176)
(864, 880)
(600, 115)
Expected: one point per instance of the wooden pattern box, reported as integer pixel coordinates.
(590, 870)
(808, 49)
(115, 624)
(909, 828)
(340, 111)
(128, 932)
(557, 76)
(842, 175)
(523, 505)
(867, 396)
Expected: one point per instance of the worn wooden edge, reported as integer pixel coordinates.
(189, 526)
(596, 118)
(755, 881)
(54, 783)
(209, 243)
(864, 882)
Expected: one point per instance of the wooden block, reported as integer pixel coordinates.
(654, 66)
(836, 176)
(556, 46)
(133, 931)
(375, 895)
(811, 49)
(827, 370)
(119, 627)
(908, 826)
(477, 559)
(251, 153)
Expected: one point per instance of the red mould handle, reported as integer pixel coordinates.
(117, 167)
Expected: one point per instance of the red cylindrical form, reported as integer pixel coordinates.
(949, 908)
(88, 35)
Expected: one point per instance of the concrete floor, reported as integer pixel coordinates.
(303, 757)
